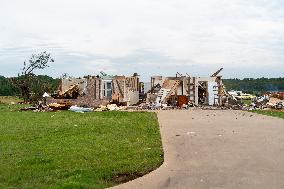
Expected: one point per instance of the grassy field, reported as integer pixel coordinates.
(247, 102)
(9, 100)
(74, 150)
(270, 113)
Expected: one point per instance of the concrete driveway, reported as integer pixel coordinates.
(218, 149)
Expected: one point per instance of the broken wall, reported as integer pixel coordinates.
(118, 88)
(125, 89)
(212, 89)
(133, 98)
(155, 80)
(67, 83)
(92, 92)
(215, 90)
(93, 88)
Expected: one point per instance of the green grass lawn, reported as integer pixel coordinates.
(270, 113)
(74, 150)
(247, 102)
(9, 100)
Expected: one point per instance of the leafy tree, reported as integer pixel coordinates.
(28, 84)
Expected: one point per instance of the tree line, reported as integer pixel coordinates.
(255, 86)
(44, 84)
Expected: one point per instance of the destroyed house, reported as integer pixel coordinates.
(72, 88)
(93, 90)
(180, 90)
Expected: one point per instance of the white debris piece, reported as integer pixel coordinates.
(80, 109)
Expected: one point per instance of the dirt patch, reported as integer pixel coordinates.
(125, 177)
(121, 178)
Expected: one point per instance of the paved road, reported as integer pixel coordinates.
(218, 150)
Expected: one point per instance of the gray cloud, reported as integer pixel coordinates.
(148, 37)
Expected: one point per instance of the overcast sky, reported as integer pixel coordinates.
(151, 37)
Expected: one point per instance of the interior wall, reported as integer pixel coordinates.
(133, 97)
(212, 93)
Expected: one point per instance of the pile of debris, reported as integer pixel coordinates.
(265, 102)
(115, 93)
(278, 95)
(239, 95)
(110, 107)
(275, 103)
(60, 106)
